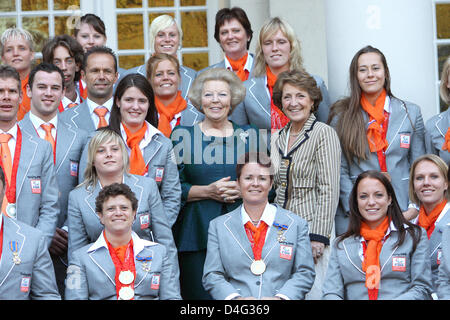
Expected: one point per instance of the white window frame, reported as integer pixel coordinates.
(437, 42)
(107, 11)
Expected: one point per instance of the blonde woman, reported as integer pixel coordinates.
(437, 137)
(428, 189)
(165, 36)
(278, 50)
(107, 163)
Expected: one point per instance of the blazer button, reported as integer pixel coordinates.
(283, 184)
(258, 283)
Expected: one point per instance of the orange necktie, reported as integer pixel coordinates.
(101, 112)
(7, 163)
(48, 134)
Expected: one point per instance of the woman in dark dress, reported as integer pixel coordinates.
(207, 155)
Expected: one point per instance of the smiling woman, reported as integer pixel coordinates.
(428, 188)
(207, 155)
(108, 163)
(377, 131)
(306, 156)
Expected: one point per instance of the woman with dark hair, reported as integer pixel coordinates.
(306, 155)
(234, 33)
(90, 31)
(377, 131)
(382, 255)
(135, 118)
(258, 250)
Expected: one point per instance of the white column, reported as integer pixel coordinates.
(401, 29)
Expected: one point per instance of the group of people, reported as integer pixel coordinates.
(239, 181)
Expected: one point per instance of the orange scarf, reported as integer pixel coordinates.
(372, 254)
(277, 118)
(167, 113)
(257, 237)
(427, 221)
(376, 119)
(446, 145)
(137, 163)
(238, 67)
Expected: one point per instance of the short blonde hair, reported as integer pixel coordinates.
(237, 89)
(443, 89)
(16, 33)
(101, 136)
(442, 166)
(269, 28)
(160, 23)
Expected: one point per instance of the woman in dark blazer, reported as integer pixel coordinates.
(382, 255)
(207, 155)
(278, 50)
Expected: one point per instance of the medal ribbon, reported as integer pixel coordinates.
(127, 264)
(10, 191)
(257, 237)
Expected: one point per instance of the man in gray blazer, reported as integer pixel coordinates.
(46, 89)
(99, 71)
(32, 193)
(26, 270)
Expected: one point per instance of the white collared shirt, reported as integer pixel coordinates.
(138, 243)
(149, 134)
(12, 141)
(92, 106)
(37, 122)
(66, 101)
(268, 216)
(247, 66)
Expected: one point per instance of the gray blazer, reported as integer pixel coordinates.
(69, 145)
(39, 209)
(85, 226)
(79, 117)
(405, 120)
(436, 243)
(91, 273)
(158, 154)
(187, 74)
(229, 255)
(34, 277)
(345, 278)
(435, 129)
(255, 109)
(443, 281)
(221, 64)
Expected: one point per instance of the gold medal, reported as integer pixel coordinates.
(126, 277)
(126, 293)
(258, 267)
(11, 210)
